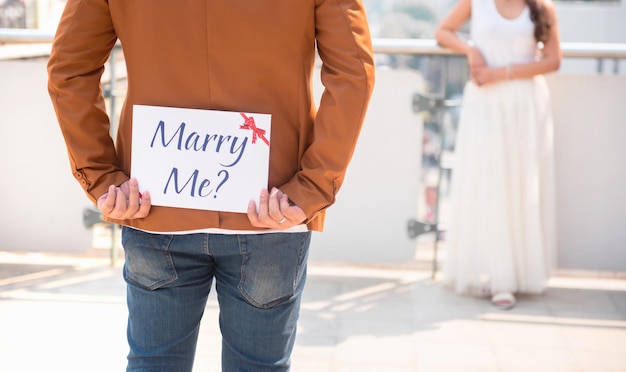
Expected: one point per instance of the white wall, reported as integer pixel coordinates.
(593, 22)
(40, 203)
(590, 161)
(598, 22)
(368, 223)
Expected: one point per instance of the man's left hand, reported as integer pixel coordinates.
(275, 211)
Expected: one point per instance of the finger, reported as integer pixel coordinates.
(263, 209)
(287, 210)
(106, 203)
(120, 204)
(144, 206)
(284, 203)
(293, 213)
(252, 215)
(133, 195)
(274, 205)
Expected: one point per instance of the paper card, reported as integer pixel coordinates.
(200, 159)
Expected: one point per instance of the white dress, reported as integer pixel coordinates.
(501, 230)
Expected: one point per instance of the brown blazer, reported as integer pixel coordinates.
(236, 55)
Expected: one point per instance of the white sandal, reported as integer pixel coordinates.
(503, 300)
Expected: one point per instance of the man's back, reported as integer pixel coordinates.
(247, 56)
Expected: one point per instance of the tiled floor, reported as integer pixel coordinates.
(61, 313)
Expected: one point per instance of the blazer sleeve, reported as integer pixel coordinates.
(347, 74)
(81, 47)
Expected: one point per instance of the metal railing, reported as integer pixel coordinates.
(24, 36)
(597, 51)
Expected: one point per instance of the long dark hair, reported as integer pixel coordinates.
(541, 19)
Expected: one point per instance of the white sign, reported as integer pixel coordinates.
(200, 159)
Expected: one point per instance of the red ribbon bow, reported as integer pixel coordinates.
(256, 132)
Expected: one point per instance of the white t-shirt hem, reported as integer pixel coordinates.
(216, 230)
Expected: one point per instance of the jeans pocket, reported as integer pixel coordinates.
(148, 262)
(272, 267)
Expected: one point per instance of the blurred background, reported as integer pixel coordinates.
(385, 238)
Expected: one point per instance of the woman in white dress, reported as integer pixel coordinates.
(501, 234)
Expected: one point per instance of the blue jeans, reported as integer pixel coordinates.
(259, 281)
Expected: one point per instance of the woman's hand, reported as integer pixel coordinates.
(488, 75)
(275, 211)
(477, 66)
(125, 202)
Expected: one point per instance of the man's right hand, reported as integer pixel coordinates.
(125, 202)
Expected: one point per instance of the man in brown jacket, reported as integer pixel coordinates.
(238, 56)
